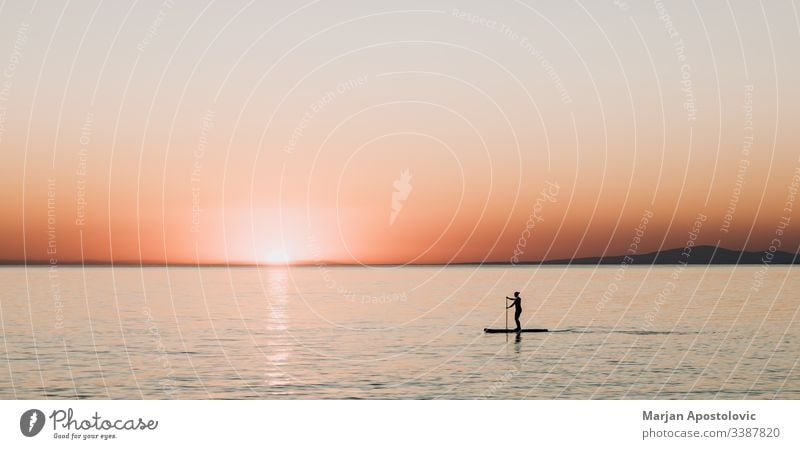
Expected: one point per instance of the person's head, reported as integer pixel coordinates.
(516, 294)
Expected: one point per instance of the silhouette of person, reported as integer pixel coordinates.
(517, 305)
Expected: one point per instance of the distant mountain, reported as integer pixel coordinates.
(699, 255)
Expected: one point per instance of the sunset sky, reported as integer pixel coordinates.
(393, 132)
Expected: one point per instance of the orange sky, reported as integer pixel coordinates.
(241, 133)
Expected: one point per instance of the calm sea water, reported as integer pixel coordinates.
(410, 332)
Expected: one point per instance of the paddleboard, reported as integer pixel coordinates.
(511, 331)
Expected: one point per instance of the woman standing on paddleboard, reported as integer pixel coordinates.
(517, 305)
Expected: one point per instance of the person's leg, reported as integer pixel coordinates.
(516, 318)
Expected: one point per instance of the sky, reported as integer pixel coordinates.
(395, 131)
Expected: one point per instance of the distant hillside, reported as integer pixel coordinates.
(700, 255)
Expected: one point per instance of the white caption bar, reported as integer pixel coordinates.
(401, 424)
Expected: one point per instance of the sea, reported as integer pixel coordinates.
(399, 332)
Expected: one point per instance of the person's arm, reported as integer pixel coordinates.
(510, 299)
(512, 305)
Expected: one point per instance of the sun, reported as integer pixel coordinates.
(277, 257)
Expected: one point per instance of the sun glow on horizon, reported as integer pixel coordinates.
(277, 257)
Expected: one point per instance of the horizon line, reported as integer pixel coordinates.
(560, 261)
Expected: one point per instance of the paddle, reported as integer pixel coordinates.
(504, 305)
